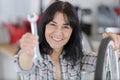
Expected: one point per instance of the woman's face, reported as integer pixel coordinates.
(58, 31)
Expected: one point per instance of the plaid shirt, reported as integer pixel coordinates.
(45, 70)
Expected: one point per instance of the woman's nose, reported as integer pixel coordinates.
(59, 31)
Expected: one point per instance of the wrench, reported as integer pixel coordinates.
(32, 18)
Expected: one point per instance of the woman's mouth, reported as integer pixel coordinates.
(56, 38)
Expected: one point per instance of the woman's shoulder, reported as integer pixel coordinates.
(89, 61)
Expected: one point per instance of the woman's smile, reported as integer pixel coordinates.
(56, 39)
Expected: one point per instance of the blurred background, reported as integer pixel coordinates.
(96, 17)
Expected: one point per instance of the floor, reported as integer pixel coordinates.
(7, 68)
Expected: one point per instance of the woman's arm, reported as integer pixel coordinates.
(27, 44)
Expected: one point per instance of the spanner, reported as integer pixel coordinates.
(32, 18)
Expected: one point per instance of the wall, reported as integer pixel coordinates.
(11, 9)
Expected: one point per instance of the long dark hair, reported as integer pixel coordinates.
(73, 49)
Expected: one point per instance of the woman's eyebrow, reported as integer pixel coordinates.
(53, 22)
(56, 23)
(66, 24)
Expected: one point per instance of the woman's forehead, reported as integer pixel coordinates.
(61, 16)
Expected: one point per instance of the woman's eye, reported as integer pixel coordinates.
(67, 27)
(52, 24)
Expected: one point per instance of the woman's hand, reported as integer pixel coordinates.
(114, 37)
(27, 43)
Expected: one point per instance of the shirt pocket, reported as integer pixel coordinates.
(74, 75)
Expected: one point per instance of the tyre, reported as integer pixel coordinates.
(107, 67)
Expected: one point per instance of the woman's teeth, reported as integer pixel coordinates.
(57, 39)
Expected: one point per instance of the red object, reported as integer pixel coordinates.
(117, 10)
(16, 32)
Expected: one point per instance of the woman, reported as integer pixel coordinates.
(60, 45)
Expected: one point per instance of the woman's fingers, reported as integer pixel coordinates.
(28, 43)
(104, 35)
(114, 37)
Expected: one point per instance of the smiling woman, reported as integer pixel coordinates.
(60, 45)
